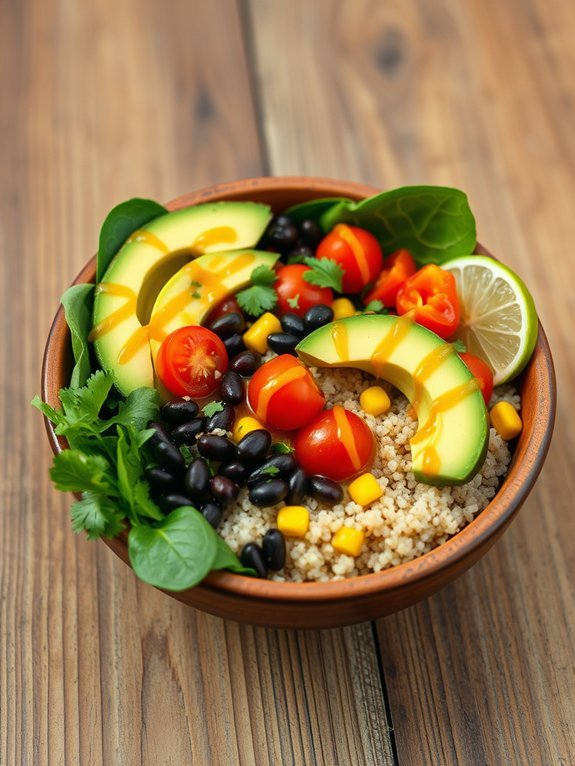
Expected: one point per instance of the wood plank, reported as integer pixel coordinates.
(108, 100)
(476, 95)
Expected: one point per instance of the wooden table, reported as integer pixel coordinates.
(105, 100)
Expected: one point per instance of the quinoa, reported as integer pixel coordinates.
(408, 520)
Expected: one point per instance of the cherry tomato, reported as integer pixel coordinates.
(430, 298)
(227, 306)
(481, 372)
(283, 394)
(337, 444)
(397, 268)
(356, 251)
(191, 361)
(291, 286)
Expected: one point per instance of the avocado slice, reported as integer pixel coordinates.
(450, 444)
(149, 257)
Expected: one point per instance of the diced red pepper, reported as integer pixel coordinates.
(397, 269)
(430, 297)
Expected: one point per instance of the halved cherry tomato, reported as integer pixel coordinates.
(283, 394)
(295, 294)
(430, 297)
(397, 269)
(227, 306)
(481, 372)
(191, 361)
(356, 251)
(337, 444)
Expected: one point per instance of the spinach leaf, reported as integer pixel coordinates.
(120, 222)
(314, 209)
(434, 223)
(78, 301)
(175, 554)
(227, 559)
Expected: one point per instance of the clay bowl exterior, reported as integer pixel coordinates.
(331, 604)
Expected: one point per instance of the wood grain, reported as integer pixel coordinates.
(476, 95)
(103, 101)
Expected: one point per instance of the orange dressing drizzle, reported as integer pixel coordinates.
(118, 316)
(340, 340)
(219, 235)
(349, 237)
(428, 365)
(345, 435)
(148, 238)
(392, 340)
(270, 388)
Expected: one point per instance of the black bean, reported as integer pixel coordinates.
(297, 485)
(216, 447)
(223, 419)
(298, 253)
(274, 549)
(268, 492)
(253, 447)
(281, 220)
(197, 478)
(234, 345)
(276, 467)
(161, 434)
(187, 432)
(161, 480)
(235, 471)
(179, 411)
(224, 490)
(282, 237)
(283, 342)
(325, 489)
(310, 233)
(252, 556)
(169, 457)
(232, 388)
(212, 513)
(227, 325)
(172, 501)
(317, 316)
(246, 363)
(293, 324)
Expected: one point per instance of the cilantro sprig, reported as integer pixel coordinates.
(261, 296)
(324, 273)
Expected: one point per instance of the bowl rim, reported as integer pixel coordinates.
(498, 513)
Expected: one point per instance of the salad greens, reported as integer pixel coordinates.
(434, 223)
(121, 221)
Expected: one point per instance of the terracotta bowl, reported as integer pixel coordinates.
(324, 605)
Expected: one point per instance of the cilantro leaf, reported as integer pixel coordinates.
(264, 276)
(75, 471)
(46, 410)
(84, 404)
(144, 505)
(459, 346)
(97, 516)
(294, 302)
(212, 407)
(282, 448)
(256, 300)
(140, 406)
(271, 470)
(324, 273)
(376, 306)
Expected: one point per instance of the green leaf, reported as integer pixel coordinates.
(212, 407)
(78, 302)
(282, 448)
(144, 505)
(459, 346)
(129, 468)
(294, 302)
(140, 406)
(314, 209)
(84, 404)
(271, 470)
(434, 223)
(324, 273)
(175, 554)
(97, 516)
(227, 559)
(75, 471)
(376, 306)
(256, 300)
(264, 276)
(186, 453)
(46, 410)
(121, 221)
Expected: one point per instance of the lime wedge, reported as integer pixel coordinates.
(498, 318)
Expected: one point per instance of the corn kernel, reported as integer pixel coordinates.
(365, 489)
(348, 540)
(256, 338)
(342, 308)
(244, 426)
(505, 420)
(374, 400)
(293, 520)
